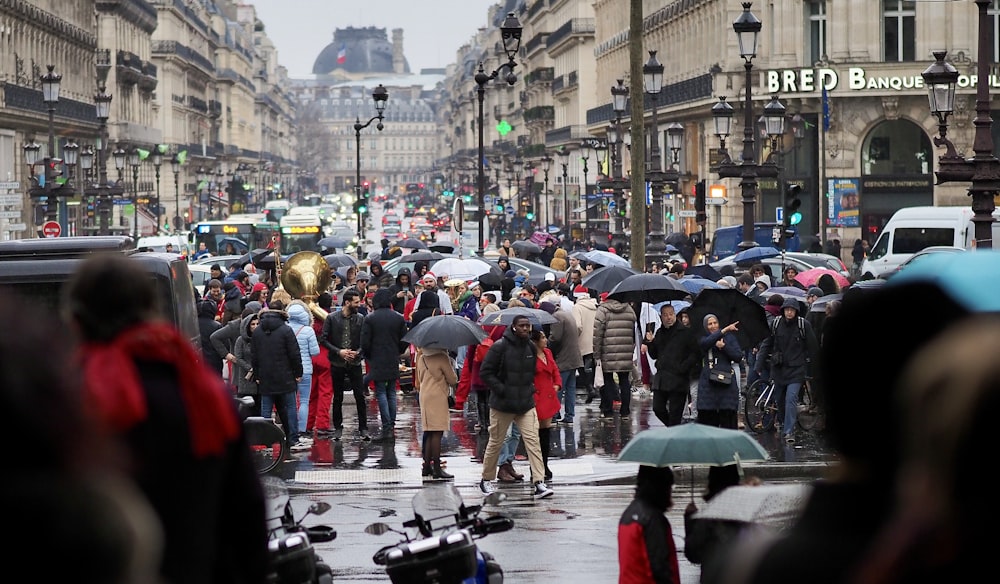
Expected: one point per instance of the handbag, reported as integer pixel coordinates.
(718, 374)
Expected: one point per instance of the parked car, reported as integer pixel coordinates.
(921, 256)
(821, 260)
(775, 265)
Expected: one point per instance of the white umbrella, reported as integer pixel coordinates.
(606, 258)
(776, 506)
(466, 269)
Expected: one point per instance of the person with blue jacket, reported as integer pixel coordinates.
(300, 320)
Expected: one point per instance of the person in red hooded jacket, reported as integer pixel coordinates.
(646, 550)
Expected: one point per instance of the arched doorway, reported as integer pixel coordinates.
(896, 172)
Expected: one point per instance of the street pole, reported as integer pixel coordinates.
(157, 157)
(381, 96)
(175, 167)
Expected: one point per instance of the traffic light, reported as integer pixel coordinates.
(701, 216)
(530, 213)
(790, 213)
(365, 189)
(499, 206)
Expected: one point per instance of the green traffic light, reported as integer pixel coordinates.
(795, 219)
(530, 216)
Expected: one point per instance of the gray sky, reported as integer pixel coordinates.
(432, 29)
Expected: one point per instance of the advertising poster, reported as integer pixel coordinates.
(844, 202)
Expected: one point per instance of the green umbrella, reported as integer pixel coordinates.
(692, 444)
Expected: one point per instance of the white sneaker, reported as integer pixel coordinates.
(300, 446)
(542, 491)
(486, 487)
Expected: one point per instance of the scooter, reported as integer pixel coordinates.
(443, 550)
(291, 556)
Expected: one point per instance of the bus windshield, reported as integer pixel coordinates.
(235, 235)
(300, 232)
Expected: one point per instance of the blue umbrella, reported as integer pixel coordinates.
(972, 279)
(755, 254)
(695, 284)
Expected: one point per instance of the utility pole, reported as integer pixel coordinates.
(637, 252)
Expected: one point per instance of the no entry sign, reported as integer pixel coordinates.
(51, 229)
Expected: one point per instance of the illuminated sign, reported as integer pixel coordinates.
(300, 230)
(855, 79)
(230, 229)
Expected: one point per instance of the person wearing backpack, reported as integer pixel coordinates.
(789, 351)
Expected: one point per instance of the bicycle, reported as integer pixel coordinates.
(760, 409)
(268, 444)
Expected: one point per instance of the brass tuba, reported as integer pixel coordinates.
(306, 275)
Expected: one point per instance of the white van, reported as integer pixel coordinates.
(159, 243)
(911, 229)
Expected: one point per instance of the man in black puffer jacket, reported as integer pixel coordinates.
(277, 365)
(508, 369)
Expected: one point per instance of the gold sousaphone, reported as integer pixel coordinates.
(305, 275)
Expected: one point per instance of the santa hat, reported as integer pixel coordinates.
(581, 292)
(429, 276)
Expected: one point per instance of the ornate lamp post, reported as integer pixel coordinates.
(381, 96)
(175, 167)
(619, 100)
(584, 157)
(47, 186)
(135, 162)
(564, 162)
(156, 156)
(542, 211)
(983, 169)
(652, 82)
(747, 27)
(510, 33)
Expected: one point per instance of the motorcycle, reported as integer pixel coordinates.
(291, 556)
(443, 550)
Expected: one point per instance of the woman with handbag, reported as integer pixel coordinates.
(718, 388)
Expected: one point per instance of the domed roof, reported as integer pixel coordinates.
(358, 50)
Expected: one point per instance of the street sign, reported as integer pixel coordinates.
(11, 200)
(687, 213)
(10, 214)
(779, 214)
(488, 200)
(10, 186)
(15, 227)
(510, 210)
(715, 201)
(51, 229)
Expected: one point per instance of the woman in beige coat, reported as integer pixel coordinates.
(435, 373)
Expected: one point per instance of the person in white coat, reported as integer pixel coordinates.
(585, 311)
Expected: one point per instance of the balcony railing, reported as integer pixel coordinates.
(540, 113)
(540, 74)
(571, 28)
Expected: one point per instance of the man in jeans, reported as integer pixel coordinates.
(789, 350)
(381, 346)
(509, 371)
(342, 338)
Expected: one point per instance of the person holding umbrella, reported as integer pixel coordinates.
(719, 403)
(676, 353)
(435, 374)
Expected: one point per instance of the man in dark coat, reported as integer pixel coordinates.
(381, 346)
(277, 365)
(508, 369)
(402, 290)
(675, 351)
(207, 325)
(564, 342)
(379, 276)
(342, 338)
(790, 349)
(174, 422)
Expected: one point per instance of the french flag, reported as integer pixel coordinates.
(342, 54)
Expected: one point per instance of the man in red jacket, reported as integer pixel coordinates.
(646, 550)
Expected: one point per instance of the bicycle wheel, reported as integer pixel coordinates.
(759, 408)
(267, 443)
(809, 418)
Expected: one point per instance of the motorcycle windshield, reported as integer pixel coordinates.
(276, 497)
(437, 501)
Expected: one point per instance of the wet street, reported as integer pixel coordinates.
(572, 535)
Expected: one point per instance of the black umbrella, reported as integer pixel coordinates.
(604, 279)
(729, 306)
(443, 247)
(267, 262)
(705, 271)
(411, 243)
(423, 256)
(683, 244)
(255, 256)
(490, 281)
(445, 331)
(331, 243)
(650, 288)
(525, 248)
(340, 260)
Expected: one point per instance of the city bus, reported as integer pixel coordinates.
(276, 209)
(245, 232)
(300, 231)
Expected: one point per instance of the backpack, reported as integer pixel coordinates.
(481, 350)
(801, 322)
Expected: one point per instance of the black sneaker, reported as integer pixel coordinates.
(486, 487)
(337, 433)
(541, 491)
(365, 436)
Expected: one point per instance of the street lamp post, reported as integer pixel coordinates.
(529, 187)
(381, 96)
(86, 167)
(175, 167)
(157, 158)
(48, 186)
(510, 34)
(135, 162)
(652, 80)
(564, 162)
(619, 101)
(120, 157)
(747, 27)
(584, 157)
(983, 169)
(542, 211)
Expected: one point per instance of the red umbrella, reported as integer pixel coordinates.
(810, 277)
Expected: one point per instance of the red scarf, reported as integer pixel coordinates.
(112, 384)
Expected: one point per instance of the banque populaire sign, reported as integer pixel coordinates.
(854, 78)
